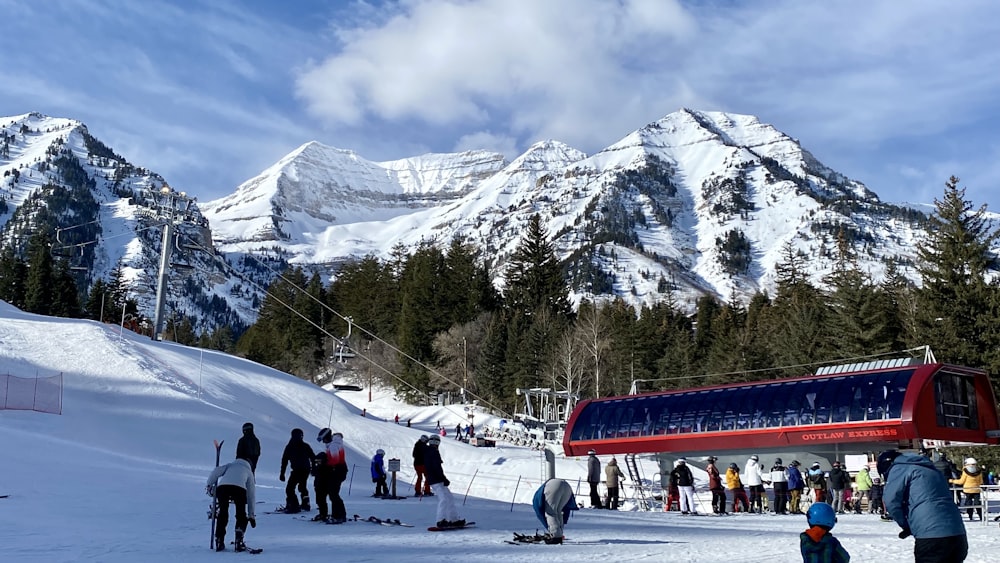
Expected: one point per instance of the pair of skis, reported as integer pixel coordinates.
(382, 521)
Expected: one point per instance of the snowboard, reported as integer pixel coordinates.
(450, 528)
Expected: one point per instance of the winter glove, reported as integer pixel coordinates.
(253, 522)
(904, 534)
(446, 482)
(210, 490)
(281, 477)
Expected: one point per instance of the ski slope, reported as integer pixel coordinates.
(119, 476)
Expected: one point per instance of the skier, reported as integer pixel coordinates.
(685, 485)
(378, 474)
(752, 476)
(734, 484)
(299, 455)
(334, 472)
(322, 483)
(795, 486)
(779, 480)
(553, 503)
(715, 485)
(840, 481)
(971, 482)
(233, 482)
(613, 474)
(817, 482)
(248, 447)
(447, 513)
(817, 544)
(594, 478)
(419, 450)
(918, 499)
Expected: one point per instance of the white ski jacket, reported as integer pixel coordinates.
(237, 473)
(751, 475)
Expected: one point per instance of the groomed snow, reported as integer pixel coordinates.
(119, 475)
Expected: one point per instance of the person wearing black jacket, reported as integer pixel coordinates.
(840, 481)
(681, 475)
(248, 447)
(419, 451)
(299, 455)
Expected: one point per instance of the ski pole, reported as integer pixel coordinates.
(467, 489)
(516, 485)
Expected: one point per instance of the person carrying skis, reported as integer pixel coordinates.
(248, 447)
(233, 482)
(553, 503)
(447, 513)
(594, 478)
(419, 450)
(715, 485)
(378, 474)
(299, 455)
(613, 474)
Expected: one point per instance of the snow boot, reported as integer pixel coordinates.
(240, 546)
(220, 543)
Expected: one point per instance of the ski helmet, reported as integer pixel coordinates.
(734, 467)
(777, 461)
(591, 452)
(380, 451)
(297, 433)
(434, 440)
(424, 438)
(248, 427)
(970, 461)
(821, 514)
(754, 457)
(682, 460)
(325, 435)
(712, 459)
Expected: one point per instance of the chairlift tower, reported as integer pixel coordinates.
(173, 208)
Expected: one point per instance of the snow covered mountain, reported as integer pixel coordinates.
(695, 203)
(55, 176)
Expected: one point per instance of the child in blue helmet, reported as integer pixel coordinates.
(817, 543)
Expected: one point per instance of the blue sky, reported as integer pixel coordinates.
(899, 95)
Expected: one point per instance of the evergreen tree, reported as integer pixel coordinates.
(41, 279)
(954, 293)
(13, 277)
(534, 278)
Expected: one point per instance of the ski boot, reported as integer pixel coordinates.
(240, 546)
(305, 503)
(319, 518)
(220, 543)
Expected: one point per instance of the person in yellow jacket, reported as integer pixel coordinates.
(734, 484)
(971, 482)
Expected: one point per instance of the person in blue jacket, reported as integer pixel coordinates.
(796, 484)
(553, 502)
(918, 499)
(378, 474)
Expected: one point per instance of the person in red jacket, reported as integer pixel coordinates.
(715, 485)
(419, 451)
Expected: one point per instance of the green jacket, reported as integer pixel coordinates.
(864, 480)
(826, 550)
